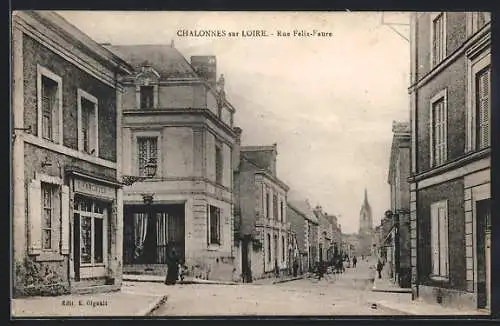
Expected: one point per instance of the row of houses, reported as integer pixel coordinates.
(123, 153)
(437, 233)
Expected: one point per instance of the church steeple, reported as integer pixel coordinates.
(365, 227)
(366, 198)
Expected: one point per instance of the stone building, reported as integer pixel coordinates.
(304, 224)
(450, 195)
(399, 171)
(261, 207)
(67, 196)
(365, 234)
(178, 139)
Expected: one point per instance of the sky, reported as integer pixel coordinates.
(328, 102)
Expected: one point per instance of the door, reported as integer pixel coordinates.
(483, 224)
(246, 260)
(76, 246)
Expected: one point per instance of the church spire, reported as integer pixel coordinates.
(366, 197)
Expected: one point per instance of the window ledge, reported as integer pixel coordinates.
(214, 247)
(439, 278)
(49, 256)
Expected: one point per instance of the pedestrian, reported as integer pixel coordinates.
(354, 261)
(172, 267)
(380, 265)
(276, 269)
(295, 267)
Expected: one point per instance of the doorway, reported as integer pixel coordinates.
(245, 259)
(483, 244)
(150, 231)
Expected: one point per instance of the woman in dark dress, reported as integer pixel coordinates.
(172, 267)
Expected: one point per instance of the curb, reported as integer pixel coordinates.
(389, 308)
(288, 280)
(181, 282)
(392, 290)
(155, 305)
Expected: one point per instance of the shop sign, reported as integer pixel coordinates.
(93, 189)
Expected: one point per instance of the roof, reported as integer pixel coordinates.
(165, 59)
(303, 208)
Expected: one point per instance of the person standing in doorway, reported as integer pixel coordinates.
(172, 267)
(354, 261)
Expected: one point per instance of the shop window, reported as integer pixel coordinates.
(92, 215)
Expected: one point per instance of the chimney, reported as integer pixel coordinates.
(237, 148)
(205, 67)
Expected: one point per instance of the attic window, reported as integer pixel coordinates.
(147, 97)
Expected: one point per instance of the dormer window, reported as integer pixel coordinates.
(147, 97)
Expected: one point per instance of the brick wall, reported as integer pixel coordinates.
(72, 78)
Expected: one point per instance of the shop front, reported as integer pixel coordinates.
(94, 234)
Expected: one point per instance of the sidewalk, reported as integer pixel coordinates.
(161, 279)
(120, 303)
(417, 307)
(385, 285)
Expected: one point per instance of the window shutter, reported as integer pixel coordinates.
(35, 218)
(435, 239)
(484, 108)
(65, 220)
(443, 240)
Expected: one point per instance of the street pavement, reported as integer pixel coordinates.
(346, 294)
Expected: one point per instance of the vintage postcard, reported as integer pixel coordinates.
(175, 163)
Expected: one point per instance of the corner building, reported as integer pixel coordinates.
(67, 196)
(450, 195)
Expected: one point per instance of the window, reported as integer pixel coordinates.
(275, 207)
(438, 129)
(282, 213)
(214, 221)
(219, 162)
(483, 107)
(147, 97)
(283, 247)
(147, 151)
(48, 194)
(268, 204)
(438, 28)
(268, 248)
(92, 230)
(49, 105)
(439, 239)
(87, 123)
(275, 247)
(477, 20)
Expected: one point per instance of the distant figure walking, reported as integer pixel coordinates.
(276, 269)
(380, 266)
(172, 267)
(354, 261)
(295, 267)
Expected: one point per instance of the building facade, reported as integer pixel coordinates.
(261, 206)
(177, 120)
(305, 225)
(365, 234)
(67, 214)
(450, 157)
(399, 171)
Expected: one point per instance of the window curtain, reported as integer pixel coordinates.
(161, 237)
(140, 229)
